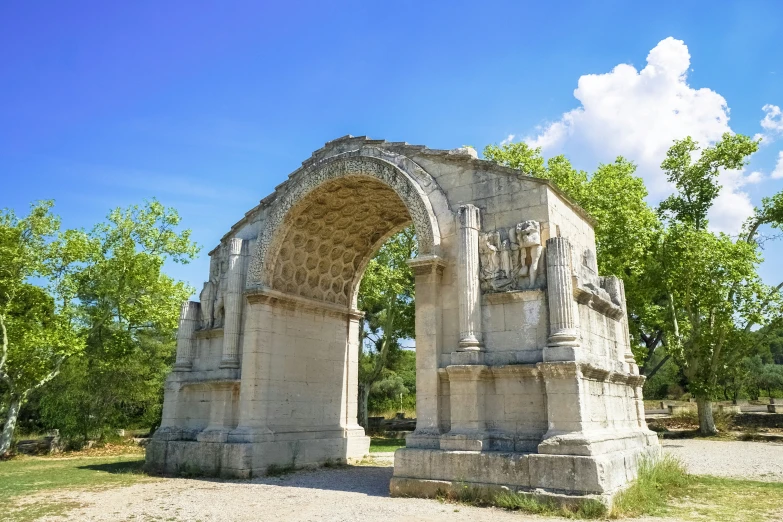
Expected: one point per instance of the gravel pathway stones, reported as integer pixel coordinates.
(359, 493)
(735, 459)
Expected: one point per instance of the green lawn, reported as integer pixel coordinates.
(27, 475)
(713, 498)
(381, 444)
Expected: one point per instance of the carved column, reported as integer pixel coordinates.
(188, 319)
(468, 279)
(560, 291)
(233, 306)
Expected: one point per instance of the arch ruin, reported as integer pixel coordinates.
(525, 377)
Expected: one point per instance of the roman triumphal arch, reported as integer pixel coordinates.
(525, 377)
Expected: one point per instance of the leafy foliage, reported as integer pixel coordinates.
(128, 309)
(386, 297)
(37, 323)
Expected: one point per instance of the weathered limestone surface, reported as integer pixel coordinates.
(525, 377)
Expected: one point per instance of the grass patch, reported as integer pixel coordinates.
(526, 503)
(657, 483)
(383, 444)
(663, 488)
(714, 498)
(25, 476)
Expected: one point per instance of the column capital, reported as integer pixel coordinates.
(469, 216)
(426, 265)
(235, 246)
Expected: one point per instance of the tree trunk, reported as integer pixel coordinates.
(706, 420)
(10, 423)
(364, 396)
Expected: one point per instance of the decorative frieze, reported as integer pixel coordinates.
(510, 258)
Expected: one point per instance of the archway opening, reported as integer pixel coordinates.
(387, 359)
(316, 328)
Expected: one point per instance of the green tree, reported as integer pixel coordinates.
(37, 323)
(129, 309)
(713, 292)
(386, 297)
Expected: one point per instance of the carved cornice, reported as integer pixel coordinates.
(209, 334)
(295, 302)
(427, 265)
(598, 303)
(580, 370)
(516, 371)
(468, 372)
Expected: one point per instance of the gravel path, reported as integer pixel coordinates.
(751, 460)
(359, 493)
(342, 494)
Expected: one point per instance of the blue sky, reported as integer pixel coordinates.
(207, 106)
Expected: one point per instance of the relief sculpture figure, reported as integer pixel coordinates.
(504, 261)
(488, 261)
(208, 296)
(529, 236)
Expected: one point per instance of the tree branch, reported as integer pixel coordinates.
(658, 366)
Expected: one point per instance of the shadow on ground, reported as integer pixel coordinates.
(369, 480)
(132, 466)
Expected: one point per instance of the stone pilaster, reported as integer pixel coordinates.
(428, 273)
(233, 306)
(222, 410)
(562, 307)
(188, 319)
(468, 221)
(467, 391)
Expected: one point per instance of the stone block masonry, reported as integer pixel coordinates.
(525, 378)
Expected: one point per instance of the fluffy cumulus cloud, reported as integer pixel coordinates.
(773, 119)
(778, 172)
(638, 114)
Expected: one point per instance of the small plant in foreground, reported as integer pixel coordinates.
(478, 496)
(657, 482)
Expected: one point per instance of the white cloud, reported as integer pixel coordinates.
(773, 119)
(638, 114)
(778, 172)
(754, 177)
(508, 139)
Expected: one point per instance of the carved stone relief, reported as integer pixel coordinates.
(208, 295)
(510, 258)
(270, 241)
(330, 235)
(212, 295)
(600, 293)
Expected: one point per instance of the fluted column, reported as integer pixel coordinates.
(468, 279)
(560, 291)
(233, 306)
(188, 318)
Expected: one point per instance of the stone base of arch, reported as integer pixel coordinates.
(242, 460)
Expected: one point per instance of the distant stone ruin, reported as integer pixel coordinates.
(525, 376)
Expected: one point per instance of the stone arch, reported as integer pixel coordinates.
(324, 227)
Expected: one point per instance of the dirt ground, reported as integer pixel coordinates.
(356, 493)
